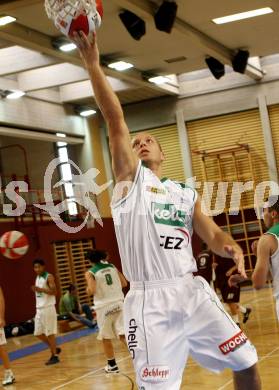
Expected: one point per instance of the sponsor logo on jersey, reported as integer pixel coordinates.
(155, 190)
(168, 242)
(233, 343)
(167, 214)
(155, 373)
(132, 337)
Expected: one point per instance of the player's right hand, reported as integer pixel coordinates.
(88, 50)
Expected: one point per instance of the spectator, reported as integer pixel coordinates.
(69, 307)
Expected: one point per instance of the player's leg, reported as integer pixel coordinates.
(155, 336)
(246, 311)
(110, 356)
(106, 335)
(231, 296)
(247, 379)
(216, 342)
(234, 311)
(49, 320)
(8, 375)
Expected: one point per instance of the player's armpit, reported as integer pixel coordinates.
(264, 249)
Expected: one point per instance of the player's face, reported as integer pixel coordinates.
(39, 269)
(267, 217)
(147, 149)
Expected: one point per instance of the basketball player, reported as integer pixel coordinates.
(224, 269)
(168, 313)
(204, 264)
(267, 251)
(105, 283)
(46, 317)
(9, 377)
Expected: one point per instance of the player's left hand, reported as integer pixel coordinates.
(235, 252)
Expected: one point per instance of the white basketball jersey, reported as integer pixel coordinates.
(108, 284)
(43, 300)
(153, 226)
(274, 231)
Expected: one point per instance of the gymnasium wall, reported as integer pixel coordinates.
(17, 276)
(39, 154)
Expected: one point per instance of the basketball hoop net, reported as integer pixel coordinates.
(65, 8)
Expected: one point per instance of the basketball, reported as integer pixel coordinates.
(13, 244)
(71, 15)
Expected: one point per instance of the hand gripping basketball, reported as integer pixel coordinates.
(72, 15)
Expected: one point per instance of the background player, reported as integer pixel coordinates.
(224, 269)
(46, 317)
(204, 263)
(169, 310)
(9, 377)
(105, 283)
(267, 251)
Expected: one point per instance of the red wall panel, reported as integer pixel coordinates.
(17, 276)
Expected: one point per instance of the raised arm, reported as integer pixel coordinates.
(124, 161)
(218, 241)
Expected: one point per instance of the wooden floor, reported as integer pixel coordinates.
(82, 360)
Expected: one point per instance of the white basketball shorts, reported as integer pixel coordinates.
(165, 321)
(110, 321)
(45, 321)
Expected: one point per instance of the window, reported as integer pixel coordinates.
(66, 176)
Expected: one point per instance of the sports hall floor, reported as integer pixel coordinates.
(82, 360)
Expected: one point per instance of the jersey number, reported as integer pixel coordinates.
(108, 279)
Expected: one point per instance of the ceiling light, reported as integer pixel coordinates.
(87, 112)
(61, 144)
(63, 44)
(134, 24)
(215, 67)
(165, 16)
(243, 15)
(120, 65)
(6, 20)
(66, 47)
(62, 135)
(14, 94)
(159, 80)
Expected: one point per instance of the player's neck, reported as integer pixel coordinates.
(155, 168)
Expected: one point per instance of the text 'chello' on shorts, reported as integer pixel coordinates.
(166, 321)
(46, 321)
(110, 321)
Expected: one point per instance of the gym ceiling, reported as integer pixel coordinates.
(30, 63)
